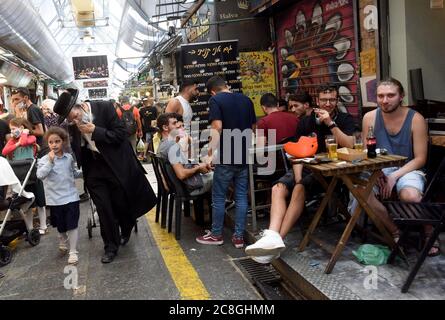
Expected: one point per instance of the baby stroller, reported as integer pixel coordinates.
(20, 202)
(91, 222)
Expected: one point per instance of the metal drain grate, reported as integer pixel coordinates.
(267, 280)
(264, 274)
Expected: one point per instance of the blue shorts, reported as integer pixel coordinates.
(414, 179)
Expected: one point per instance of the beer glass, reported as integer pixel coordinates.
(358, 141)
(331, 147)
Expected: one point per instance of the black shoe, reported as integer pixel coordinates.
(124, 240)
(84, 197)
(108, 257)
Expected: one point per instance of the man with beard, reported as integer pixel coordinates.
(404, 132)
(114, 177)
(188, 91)
(301, 104)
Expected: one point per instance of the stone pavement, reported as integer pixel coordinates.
(138, 272)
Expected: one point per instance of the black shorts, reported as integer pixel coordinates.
(310, 183)
(65, 217)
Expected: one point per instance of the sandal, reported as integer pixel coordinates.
(435, 249)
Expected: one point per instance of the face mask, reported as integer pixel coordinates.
(21, 105)
(16, 133)
(181, 132)
(86, 117)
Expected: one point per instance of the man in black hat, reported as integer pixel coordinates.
(113, 175)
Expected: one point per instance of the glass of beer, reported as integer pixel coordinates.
(358, 141)
(331, 147)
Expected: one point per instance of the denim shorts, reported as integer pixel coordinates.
(414, 179)
(148, 137)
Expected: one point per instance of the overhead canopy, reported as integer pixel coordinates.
(48, 33)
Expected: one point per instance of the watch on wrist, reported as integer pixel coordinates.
(332, 125)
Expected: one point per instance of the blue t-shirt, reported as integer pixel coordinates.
(237, 114)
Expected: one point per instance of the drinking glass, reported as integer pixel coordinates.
(331, 147)
(358, 141)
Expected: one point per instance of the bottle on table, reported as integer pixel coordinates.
(371, 143)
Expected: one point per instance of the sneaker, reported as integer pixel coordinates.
(238, 242)
(43, 231)
(210, 239)
(269, 244)
(63, 248)
(265, 259)
(73, 258)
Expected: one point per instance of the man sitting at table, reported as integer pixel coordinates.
(325, 120)
(284, 123)
(171, 150)
(404, 132)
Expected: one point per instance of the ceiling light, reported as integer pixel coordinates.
(87, 37)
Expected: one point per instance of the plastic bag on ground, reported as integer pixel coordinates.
(369, 254)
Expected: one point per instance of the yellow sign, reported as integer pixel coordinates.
(368, 62)
(257, 76)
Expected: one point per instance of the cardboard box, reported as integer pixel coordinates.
(350, 155)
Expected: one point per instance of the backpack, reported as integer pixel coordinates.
(129, 120)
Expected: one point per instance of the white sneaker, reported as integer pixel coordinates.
(265, 259)
(73, 258)
(270, 244)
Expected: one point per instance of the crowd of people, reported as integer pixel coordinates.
(399, 129)
(73, 138)
(92, 72)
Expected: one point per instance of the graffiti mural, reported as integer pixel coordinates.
(316, 45)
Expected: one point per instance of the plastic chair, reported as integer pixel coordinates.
(181, 197)
(163, 191)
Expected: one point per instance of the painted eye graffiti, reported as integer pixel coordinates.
(317, 47)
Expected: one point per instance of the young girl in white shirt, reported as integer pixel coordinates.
(57, 170)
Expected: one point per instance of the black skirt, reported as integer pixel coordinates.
(65, 217)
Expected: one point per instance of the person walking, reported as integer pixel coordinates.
(114, 177)
(57, 170)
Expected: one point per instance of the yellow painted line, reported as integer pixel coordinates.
(184, 276)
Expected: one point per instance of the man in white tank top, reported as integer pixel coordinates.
(181, 104)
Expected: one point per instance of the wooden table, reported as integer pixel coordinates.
(347, 172)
